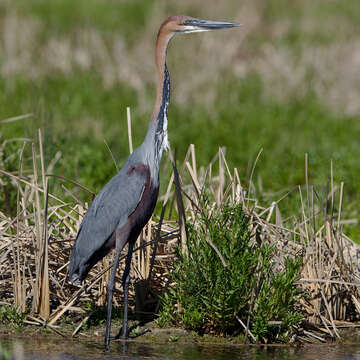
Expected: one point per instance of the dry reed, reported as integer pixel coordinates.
(35, 245)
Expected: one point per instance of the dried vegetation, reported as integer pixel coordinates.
(36, 243)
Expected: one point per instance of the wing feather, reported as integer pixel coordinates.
(109, 210)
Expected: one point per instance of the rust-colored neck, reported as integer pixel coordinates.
(162, 42)
(156, 139)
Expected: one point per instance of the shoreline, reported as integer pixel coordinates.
(161, 336)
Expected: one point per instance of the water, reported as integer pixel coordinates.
(45, 349)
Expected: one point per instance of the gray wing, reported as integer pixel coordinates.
(109, 210)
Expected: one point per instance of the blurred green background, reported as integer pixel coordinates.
(287, 81)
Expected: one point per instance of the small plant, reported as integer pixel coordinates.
(225, 277)
(9, 315)
(173, 338)
(136, 331)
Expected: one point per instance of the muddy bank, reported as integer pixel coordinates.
(152, 334)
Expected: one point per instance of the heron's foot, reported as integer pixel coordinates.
(107, 344)
(108, 340)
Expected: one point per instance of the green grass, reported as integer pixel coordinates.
(77, 114)
(309, 23)
(348, 11)
(245, 123)
(64, 16)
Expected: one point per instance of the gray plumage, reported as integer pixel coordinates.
(112, 207)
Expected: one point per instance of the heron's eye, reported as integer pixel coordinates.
(186, 22)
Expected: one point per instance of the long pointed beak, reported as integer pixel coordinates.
(210, 25)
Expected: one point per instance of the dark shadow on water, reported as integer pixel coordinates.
(45, 349)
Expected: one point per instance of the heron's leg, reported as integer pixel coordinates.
(126, 279)
(110, 291)
(121, 239)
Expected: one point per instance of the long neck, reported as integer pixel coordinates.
(161, 118)
(157, 136)
(163, 81)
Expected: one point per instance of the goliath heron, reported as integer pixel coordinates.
(123, 207)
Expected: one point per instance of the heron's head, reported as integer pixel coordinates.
(185, 24)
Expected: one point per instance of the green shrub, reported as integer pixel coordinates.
(9, 315)
(210, 297)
